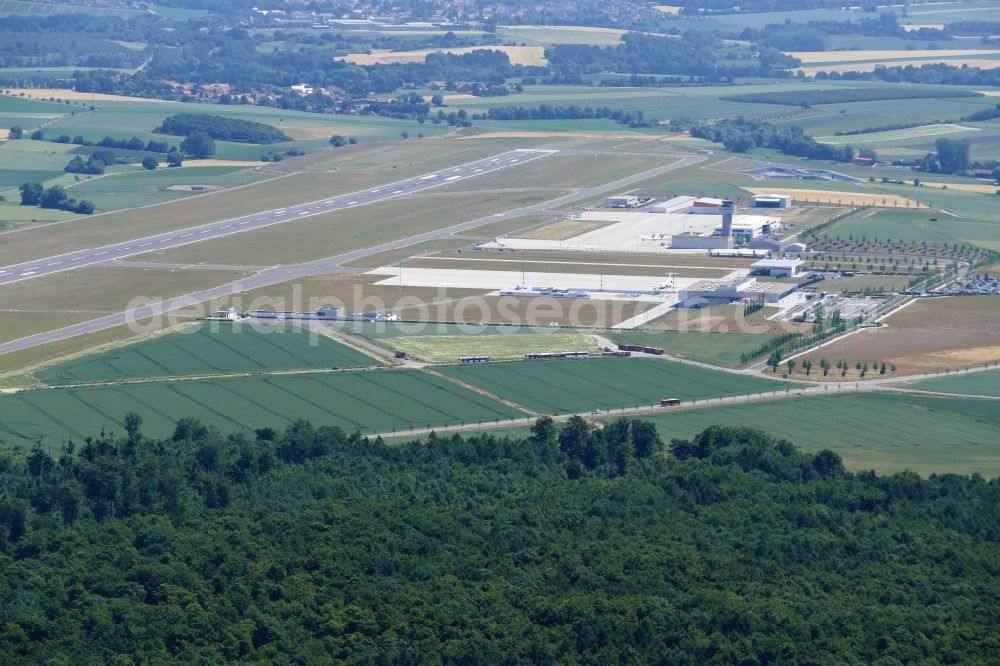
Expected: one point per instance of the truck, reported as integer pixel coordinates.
(670, 402)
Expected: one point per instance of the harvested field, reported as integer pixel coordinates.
(512, 346)
(928, 335)
(982, 63)
(983, 188)
(842, 198)
(74, 95)
(576, 385)
(908, 134)
(816, 57)
(519, 55)
(210, 348)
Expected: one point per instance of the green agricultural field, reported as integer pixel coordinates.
(142, 188)
(211, 348)
(12, 104)
(22, 8)
(985, 383)
(372, 401)
(578, 385)
(932, 227)
(448, 348)
(884, 432)
(716, 348)
(550, 35)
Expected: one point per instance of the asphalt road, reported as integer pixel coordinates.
(171, 239)
(334, 264)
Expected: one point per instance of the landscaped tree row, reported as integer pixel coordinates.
(573, 545)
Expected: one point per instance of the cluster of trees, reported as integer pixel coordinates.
(741, 135)
(36, 194)
(698, 53)
(815, 35)
(221, 128)
(938, 73)
(134, 144)
(310, 545)
(951, 156)
(549, 112)
(96, 163)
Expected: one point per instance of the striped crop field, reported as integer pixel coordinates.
(367, 401)
(211, 348)
(577, 385)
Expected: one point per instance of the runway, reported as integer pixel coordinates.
(330, 265)
(171, 239)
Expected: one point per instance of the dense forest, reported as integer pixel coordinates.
(572, 545)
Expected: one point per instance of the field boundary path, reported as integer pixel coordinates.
(326, 266)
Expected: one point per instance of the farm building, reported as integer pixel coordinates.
(718, 292)
(777, 267)
(771, 201)
(622, 201)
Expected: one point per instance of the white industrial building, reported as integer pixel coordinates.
(621, 201)
(777, 267)
(770, 201)
(707, 293)
(674, 205)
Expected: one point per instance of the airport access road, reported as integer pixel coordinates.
(171, 239)
(335, 264)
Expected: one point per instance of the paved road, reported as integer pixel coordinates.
(329, 265)
(171, 239)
